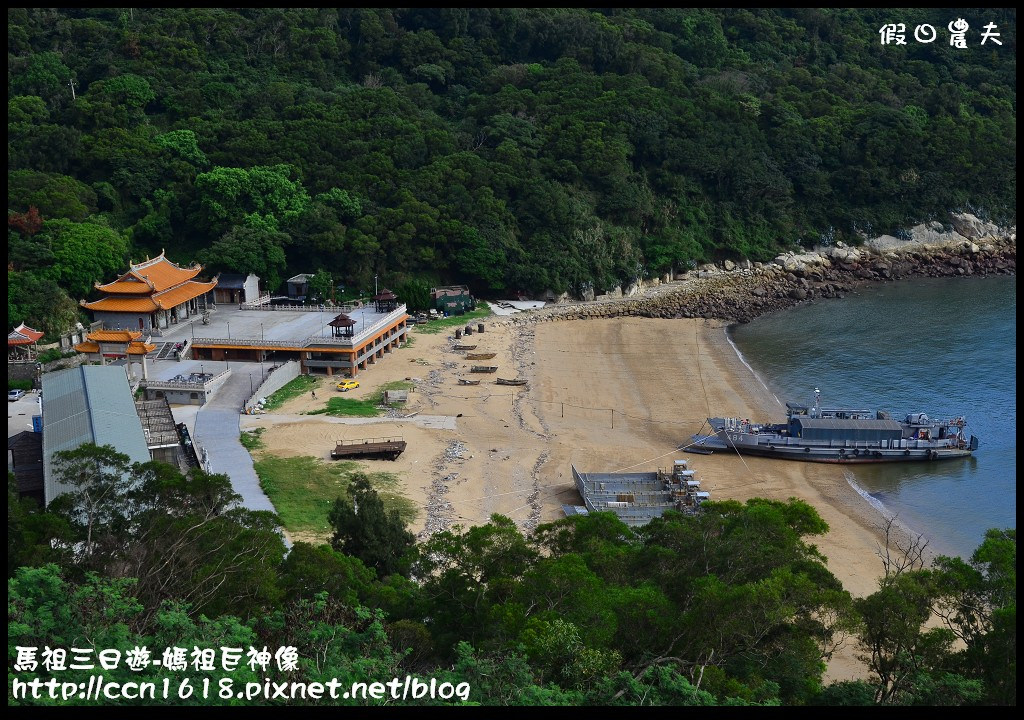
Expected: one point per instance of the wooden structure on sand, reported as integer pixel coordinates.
(385, 448)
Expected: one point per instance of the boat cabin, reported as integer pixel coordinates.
(841, 429)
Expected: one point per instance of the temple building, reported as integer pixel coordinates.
(103, 345)
(152, 294)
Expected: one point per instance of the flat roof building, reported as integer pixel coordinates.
(88, 404)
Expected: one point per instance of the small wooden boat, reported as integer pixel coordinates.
(503, 381)
(480, 356)
(484, 368)
(465, 347)
(464, 381)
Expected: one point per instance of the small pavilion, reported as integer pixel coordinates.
(21, 343)
(342, 326)
(386, 302)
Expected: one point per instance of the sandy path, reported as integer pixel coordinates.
(603, 394)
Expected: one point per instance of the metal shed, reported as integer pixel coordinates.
(88, 404)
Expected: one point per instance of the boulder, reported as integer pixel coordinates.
(972, 227)
(729, 265)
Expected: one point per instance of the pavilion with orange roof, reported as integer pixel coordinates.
(21, 343)
(153, 294)
(103, 345)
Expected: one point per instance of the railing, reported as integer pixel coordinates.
(255, 304)
(388, 319)
(347, 307)
(184, 350)
(172, 385)
(247, 342)
(369, 441)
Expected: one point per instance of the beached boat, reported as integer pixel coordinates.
(484, 368)
(503, 381)
(465, 347)
(480, 356)
(464, 381)
(841, 435)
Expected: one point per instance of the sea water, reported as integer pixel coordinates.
(945, 347)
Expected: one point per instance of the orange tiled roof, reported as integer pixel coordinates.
(122, 304)
(177, 295)
(114, 335)
(159, 272)
(163, 273)
(133, 348)
(23, 335)
(132, 286)
(140, 348)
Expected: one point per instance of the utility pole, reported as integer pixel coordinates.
(72, 84)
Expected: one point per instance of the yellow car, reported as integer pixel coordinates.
(348, 385)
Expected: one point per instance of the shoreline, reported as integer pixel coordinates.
(738, 293)
(607, 393)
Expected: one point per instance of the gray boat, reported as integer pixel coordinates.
(840, 435)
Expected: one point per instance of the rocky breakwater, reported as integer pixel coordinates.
(741, 291)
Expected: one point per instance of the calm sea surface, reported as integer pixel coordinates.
(945, 347)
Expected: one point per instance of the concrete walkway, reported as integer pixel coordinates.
(436, 422)
(217, 431)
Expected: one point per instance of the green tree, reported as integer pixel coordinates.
(321, 286)
(364, 528)
(978, 603)
(56, 196)
(250, 250)
(269, 197)
(84, 253)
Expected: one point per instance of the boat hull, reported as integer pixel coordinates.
(823, 454)
(864, 456)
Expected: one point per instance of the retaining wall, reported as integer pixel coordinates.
(274, 382)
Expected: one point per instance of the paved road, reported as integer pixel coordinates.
(217, 431)
(436, 422)
(20, 412)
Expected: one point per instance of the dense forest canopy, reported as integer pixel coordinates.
(734, 605)
(510, 149)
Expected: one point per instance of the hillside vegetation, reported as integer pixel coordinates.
(510, 149)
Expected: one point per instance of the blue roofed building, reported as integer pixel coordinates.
(88, 404)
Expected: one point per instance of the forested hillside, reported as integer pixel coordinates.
(732, 606)
(511, 149)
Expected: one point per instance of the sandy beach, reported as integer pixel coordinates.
(604, 395)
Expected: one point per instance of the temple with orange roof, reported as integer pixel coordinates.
(103, 345)
(21, 343)
(153, 294)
